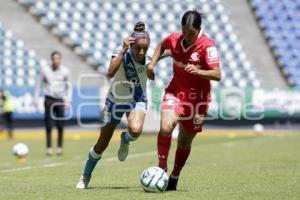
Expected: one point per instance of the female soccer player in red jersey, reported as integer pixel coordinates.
(195, 64)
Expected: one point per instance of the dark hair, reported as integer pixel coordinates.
(139, 27)
(55, 53)
(192, 18)
(139, 31)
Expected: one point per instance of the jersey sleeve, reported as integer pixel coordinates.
(212, 58)
(167, 42)
(116, 51)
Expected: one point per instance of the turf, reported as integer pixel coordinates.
(265, 167)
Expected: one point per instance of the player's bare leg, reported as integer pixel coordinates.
(135, 127)
(95, 155)
(184, 143)
(168, 122)
(104, 138)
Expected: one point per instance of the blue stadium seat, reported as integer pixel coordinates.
(16, 62)
(95, 28)
(280, 22)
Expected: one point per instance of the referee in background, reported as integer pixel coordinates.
(56, 83)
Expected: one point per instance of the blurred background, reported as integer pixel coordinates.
(258, 42)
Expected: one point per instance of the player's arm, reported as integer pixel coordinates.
(166, 54)
(211, 74)
(212, 61)
(117, 59)
(155, 58)
(38, 86)
(69, 90)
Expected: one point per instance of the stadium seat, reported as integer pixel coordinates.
(280, 22)
(94, 28)
(18, 65)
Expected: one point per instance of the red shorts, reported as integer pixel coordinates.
(191, 114)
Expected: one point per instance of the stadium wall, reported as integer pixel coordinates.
(230, 107)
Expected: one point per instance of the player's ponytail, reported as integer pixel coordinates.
(139, 31)
(192, 18)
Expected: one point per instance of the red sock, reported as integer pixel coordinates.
(180, 159)
(163, 147)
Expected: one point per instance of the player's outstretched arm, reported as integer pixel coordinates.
(155, 58)
(115, 62)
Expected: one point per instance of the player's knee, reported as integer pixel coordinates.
(135, 130)
(166, 129)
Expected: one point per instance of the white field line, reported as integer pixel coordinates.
(51, 165)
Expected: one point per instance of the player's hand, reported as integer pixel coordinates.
(192, 69)
(150, 71)
(126, 43)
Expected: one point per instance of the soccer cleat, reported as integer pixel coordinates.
(172, 184)
(49, 152)
(83, 182)
(124, 148)
(59, 151)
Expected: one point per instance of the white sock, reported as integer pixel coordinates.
(94, 154)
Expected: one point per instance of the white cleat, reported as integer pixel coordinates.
(83, 182)
(124, 148)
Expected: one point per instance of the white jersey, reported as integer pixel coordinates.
(129, 84)
(56, 83)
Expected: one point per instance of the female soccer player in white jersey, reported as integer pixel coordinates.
(126, 95)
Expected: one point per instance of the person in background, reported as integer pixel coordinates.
(7, 110)
(55, 80)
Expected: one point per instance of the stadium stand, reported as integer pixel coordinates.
(280, 23)
(18, 65)
(94, 28)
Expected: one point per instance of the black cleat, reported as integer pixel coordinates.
(172, 184)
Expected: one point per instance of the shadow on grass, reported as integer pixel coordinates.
(128, 189)
(124, 188)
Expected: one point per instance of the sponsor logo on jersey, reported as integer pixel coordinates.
(195, 56)
(212, 54)
(182, 65)
(198, 119)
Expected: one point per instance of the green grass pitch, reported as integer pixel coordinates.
(264, 167)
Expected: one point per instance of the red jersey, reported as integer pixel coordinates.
(203, 54)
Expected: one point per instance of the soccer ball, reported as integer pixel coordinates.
(258, 128)
(154, 179)
(20, 150)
